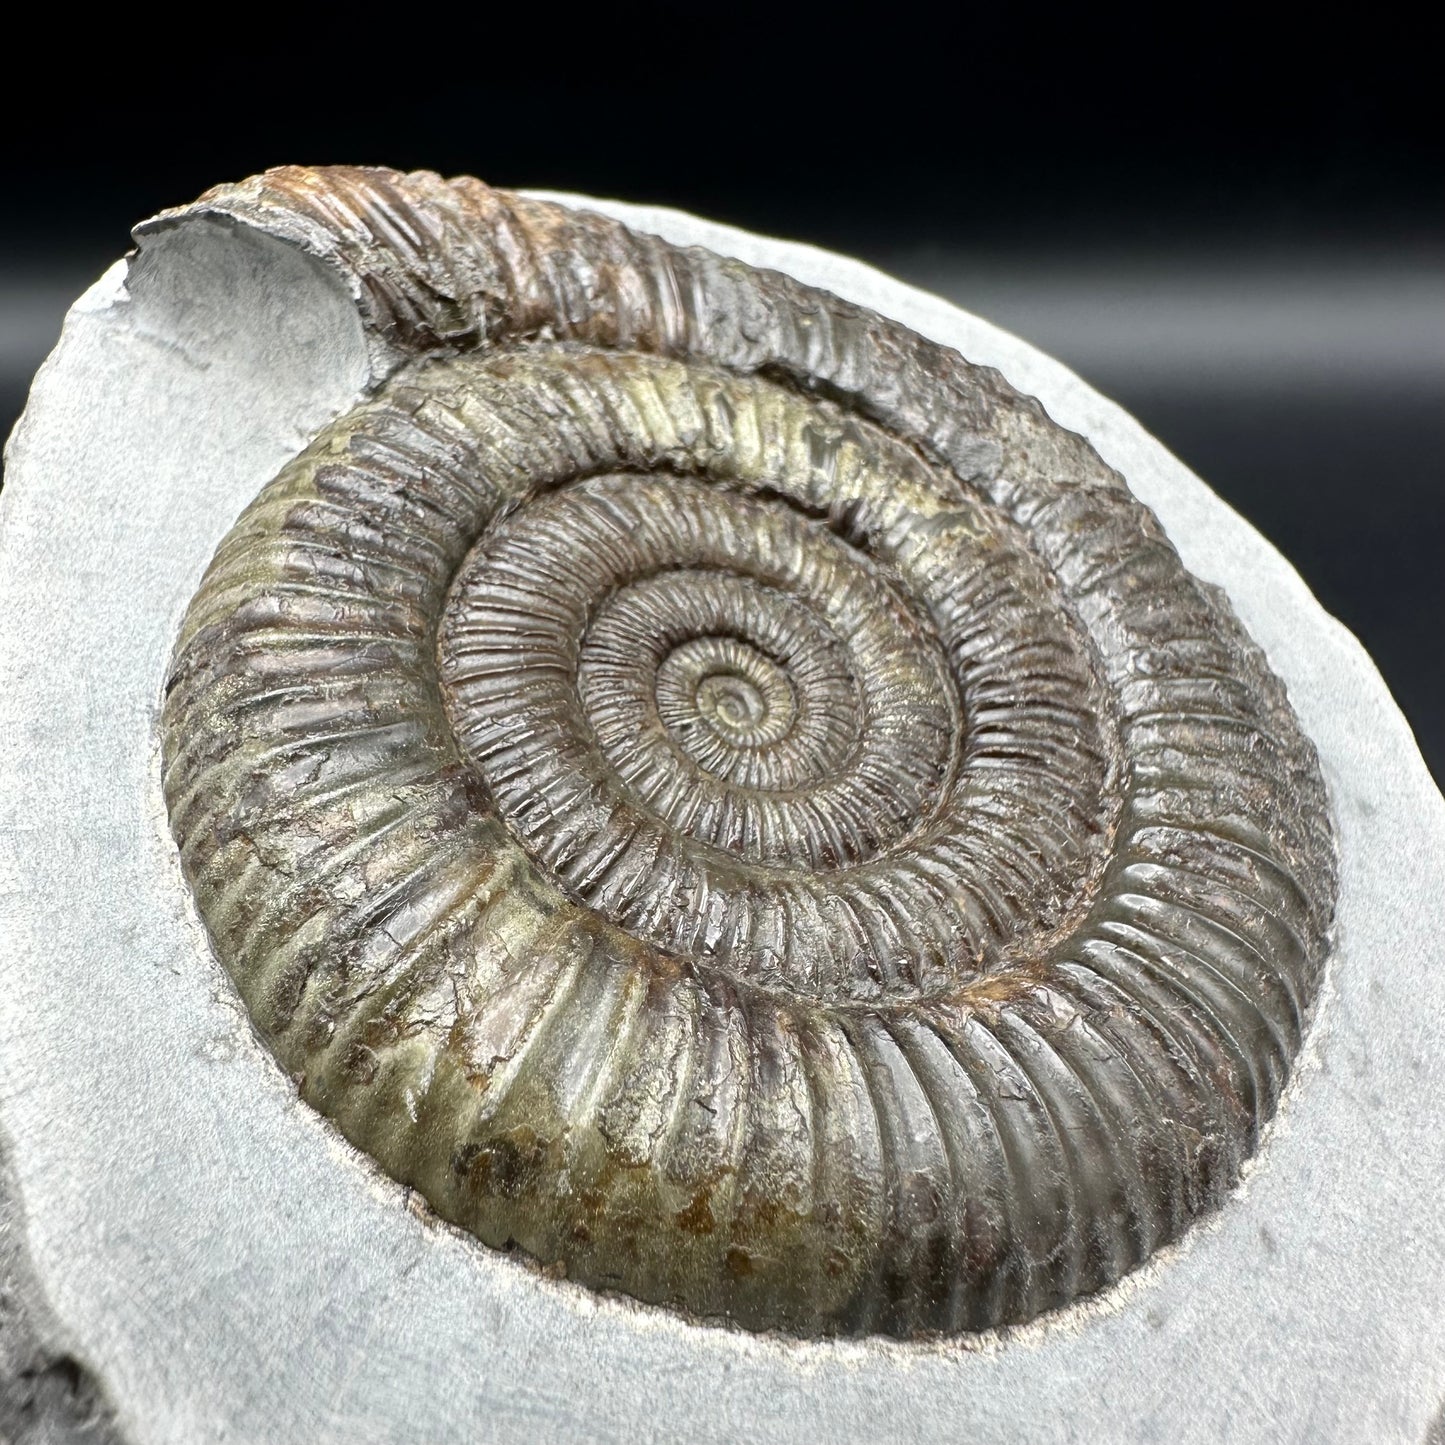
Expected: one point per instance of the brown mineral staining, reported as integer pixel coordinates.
(697, 1217)
(710, 787)
(739, 1263)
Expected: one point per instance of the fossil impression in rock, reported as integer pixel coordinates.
(713, 789)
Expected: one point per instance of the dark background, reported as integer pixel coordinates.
(1238, 235)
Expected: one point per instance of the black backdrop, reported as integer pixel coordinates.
(1238, 234)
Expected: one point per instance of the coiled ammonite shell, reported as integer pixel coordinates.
(718, 792)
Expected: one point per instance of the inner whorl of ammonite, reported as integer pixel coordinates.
(716, 791)
(722, 725)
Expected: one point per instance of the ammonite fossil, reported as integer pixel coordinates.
(720, 793)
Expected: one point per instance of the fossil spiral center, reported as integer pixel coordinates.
(722, 687)
(733, 704)
(708, 715)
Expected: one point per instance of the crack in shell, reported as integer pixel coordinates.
(714, 789)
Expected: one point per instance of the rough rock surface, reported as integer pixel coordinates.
(47, 1396)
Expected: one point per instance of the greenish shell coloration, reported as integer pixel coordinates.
(714, 790)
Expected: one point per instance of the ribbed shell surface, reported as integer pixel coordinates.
(715, 790)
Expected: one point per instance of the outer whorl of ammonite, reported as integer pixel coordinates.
(713, 789)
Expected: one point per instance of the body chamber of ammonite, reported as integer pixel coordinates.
(716, 791)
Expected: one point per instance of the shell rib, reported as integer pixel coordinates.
(715, 790)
